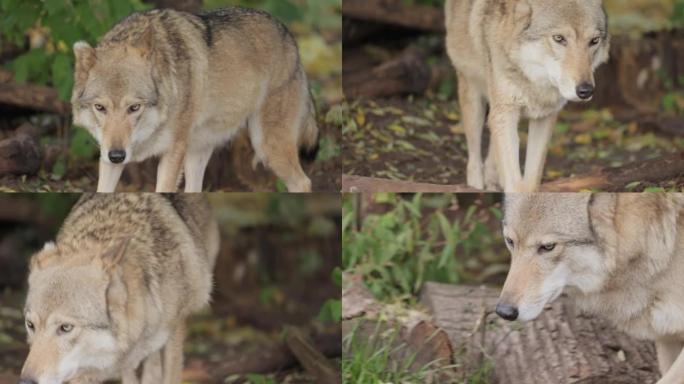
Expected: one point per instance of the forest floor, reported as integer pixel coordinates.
(421, 139)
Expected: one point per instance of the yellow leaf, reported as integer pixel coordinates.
(360, 118)
(584, 138)
(457, 129)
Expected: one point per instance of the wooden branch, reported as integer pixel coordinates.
(395, 12)
(32, 96)
(407, 73)
(561, 346)
(360, 184)
(278, 357)
(315, 363)
(610, 179)
(656, 170)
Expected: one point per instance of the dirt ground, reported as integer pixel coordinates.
(421, 139)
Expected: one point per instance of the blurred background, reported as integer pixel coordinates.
(279, 266)
(41, 151)
(403, 120)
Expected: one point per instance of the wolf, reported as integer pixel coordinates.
(620, 256)
(108, 299)
(177, 85)
(524, 59)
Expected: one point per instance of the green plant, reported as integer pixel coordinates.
(52, 27)
(417, 240)
(331, 312)
(374, 360)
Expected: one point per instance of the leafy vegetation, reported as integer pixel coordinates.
(421, 238)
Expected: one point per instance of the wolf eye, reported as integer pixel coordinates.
(100, 108)
(595, 41)
(560, 39)
(134, 108)
(510, 242)
(66, 328)
(30, 325)
(546, 248)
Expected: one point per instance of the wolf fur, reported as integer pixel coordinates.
(110, 296)
(620, 256)
(178, 85)
(525, 59)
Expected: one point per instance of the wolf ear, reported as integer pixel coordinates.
(85, 60)
(144, 42)
(522, 14)
(601, 210)
(111, 257)
(45, 257)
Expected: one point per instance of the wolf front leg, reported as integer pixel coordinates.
(108, 177)
(537, 144)
(172, 356)
(503, 123)
(195, 166)
(169, 171)
(668, 352)
(472, 105)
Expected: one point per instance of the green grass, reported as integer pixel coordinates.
(368, 361)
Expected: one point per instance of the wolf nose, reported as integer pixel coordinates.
(117, 156)
(27, 381)
(507, 312)
(585, 91)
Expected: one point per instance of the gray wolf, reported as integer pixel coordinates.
(108, 299)
(526, 59)
(178, 85)
(620, 256)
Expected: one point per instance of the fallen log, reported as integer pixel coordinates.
(31, 96)
(561, 346)
(278, 357)
(608, 179)
(315, 363)
(408, 73)
(395, 12)
(361, 184)
(615, 179)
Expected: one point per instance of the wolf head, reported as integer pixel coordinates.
(552, 246)
(116, 96)
(68, 317)
(562, 43)
(580, 241)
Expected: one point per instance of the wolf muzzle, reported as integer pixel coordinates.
(507, 311)
(117, 156)
(585, 90)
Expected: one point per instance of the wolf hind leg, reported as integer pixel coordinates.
(172, 356)
(667, 351)
(195, 166)
(275, 131)
(473, 109)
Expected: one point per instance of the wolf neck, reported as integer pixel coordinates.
(643, 293)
